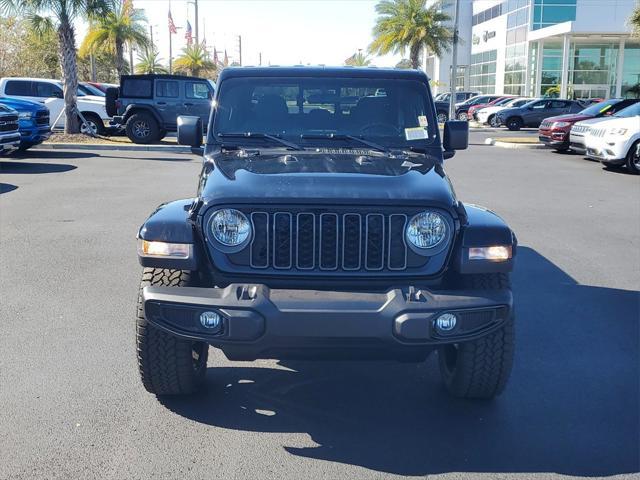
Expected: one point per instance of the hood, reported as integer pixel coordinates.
(592, 120)
(569, 117)
(21, 105)
(325, 176)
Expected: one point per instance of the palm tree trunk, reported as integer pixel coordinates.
(414, 55)
(67, 57)
(119, 57)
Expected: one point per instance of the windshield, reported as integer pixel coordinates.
(598, 109)
(630, 111)
(90, 90)
(308, 111)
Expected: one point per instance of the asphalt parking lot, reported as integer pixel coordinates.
(72, 405)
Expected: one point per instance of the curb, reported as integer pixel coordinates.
(100, 146)
(529, 146)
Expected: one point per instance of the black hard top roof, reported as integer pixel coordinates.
(322, 71)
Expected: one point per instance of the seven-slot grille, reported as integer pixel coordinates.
(580, 129)
(328, 241)
(8, 123)
(598, 132)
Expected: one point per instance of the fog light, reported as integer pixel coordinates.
(446, 322)
(211, 320)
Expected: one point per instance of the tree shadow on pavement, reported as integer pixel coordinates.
(34, 168)
(6, 188)
(571, 406)
(54, 153)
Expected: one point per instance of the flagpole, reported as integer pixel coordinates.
(170, 54)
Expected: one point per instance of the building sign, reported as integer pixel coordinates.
(475, 39)
(488, 35)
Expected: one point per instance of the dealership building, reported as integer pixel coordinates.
(570, 48)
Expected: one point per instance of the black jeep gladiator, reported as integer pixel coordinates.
(325, 227)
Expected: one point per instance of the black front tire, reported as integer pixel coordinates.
(633, 159)
(514, 123)
(480, 368)
(167, 364)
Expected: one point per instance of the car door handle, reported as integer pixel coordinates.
(161, 103)
(188, 104)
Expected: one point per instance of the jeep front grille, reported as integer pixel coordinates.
(328, 241)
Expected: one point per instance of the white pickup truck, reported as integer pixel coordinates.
(49, 92)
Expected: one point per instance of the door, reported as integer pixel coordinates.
(197, 100)
(168, 102)
(44, 90)
(536, 113)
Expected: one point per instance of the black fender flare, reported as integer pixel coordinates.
(131, 109)
(483, 228)
(171, 223)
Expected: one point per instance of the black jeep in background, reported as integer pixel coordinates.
(149, 105)
(325, 227)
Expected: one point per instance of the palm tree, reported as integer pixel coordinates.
(409, 24)
(59, 15)
(121, 25)
(635, 21)
(358, 60)
(194, 60)
(149, 62)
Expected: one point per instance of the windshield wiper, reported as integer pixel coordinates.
(335, 136)
(266, 136)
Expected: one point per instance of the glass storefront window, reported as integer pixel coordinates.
(552, 12)
(631, 70)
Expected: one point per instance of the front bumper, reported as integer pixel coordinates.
(554, 139)
(607, 151)
(9, 142)
(34, 135)
(259, 322)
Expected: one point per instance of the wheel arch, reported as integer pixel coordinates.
(170, 223)
(133, 109)
(483, 228)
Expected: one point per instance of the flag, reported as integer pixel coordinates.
(172, 26)
(187, 34)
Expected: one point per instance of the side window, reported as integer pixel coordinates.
(47, 90)
(167, 89)
(18, 87)
(539, 105)
(196, 90)
(617, 107)
(137, 88)
(559, 104)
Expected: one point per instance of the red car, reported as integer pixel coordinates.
(498, 101)
(554, 131)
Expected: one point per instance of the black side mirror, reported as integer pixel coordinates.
(456, 136)
(190, 131)
(57, 94)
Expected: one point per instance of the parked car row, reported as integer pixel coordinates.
(608, 132)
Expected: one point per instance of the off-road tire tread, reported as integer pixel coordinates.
(165, 361)
(484, 365)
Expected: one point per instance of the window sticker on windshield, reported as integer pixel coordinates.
(416, 133)
(422, 120)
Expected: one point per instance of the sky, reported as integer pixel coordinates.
(286, 32)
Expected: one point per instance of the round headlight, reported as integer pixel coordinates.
(230, 227)
(426, 230)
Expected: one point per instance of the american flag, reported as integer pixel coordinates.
(187, 34)
(172, 26)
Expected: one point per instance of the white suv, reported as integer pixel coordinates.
(49, 92)
(616, 141)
